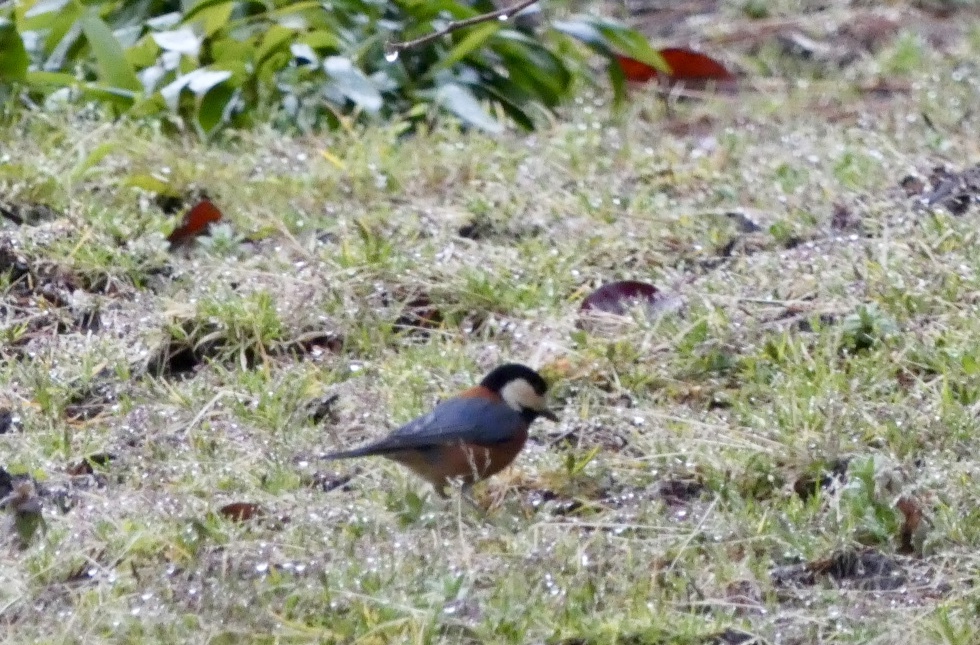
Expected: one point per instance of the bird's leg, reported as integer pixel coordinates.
(464, 493)
(440, 488)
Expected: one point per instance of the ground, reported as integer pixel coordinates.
(782, 447)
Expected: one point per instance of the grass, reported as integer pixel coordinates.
(661, 509)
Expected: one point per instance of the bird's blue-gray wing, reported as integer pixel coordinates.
(474, 420)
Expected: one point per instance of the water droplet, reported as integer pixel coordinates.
(503, 17)
(391, 55)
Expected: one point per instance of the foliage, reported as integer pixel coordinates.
(213, 63)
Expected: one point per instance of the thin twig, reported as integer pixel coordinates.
(393, 49)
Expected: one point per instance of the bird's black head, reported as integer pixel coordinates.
(521, 388)
(501, 376)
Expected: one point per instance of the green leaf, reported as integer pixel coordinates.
(42, 79)
(151, 184)
(617, 78)
(120, 98)
(633, 44)
(212, 106)
(62, 31)
(460, 101)
(475, 39)
(277, 38)
(114, 69)
(533, 67)
(513, 100)
(148, 106)
(13, 55)
(422, 10)
(143, 54)
(583, 31)
(608, 38)
(320, 40)
(297, 7)
(212, 15)
(99, 153)
(229, 49)
(352, 83)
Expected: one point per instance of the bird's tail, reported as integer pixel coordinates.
(382, 447)
(348, 454)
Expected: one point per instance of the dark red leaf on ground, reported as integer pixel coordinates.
(634, 70)
(240, 511)
(911, 532)
(619, 297)
(685, 65)
(196, 222)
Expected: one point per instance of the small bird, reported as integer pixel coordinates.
(469, 437)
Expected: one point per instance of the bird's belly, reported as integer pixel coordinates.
(462, 461)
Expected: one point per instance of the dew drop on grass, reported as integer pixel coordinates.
(503, 17)
(391, 55)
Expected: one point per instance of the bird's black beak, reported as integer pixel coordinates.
(548, 414)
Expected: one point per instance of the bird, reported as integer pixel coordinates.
(470, 437)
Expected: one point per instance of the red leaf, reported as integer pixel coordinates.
(634, 70)
(911, 533)
(688, 65)
(619, 297)
(196, 222)
(240, 511)
(685, 65)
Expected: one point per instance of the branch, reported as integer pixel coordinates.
(393, 49)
